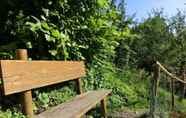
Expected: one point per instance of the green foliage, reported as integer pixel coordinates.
(177, 25)
(154, 39)
(51, 97)
(11, 114)
(124, 87)
(43, 98)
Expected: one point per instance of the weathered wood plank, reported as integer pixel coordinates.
(77, 107)
(18, 75)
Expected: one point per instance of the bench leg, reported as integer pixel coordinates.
(27, 103)
(78, 86)
(103, 108)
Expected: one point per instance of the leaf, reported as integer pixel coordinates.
(66, 55)
(55, 33)
(35, 18)
(43, 97)
(63, 36)
(45, 25)
(46, 11)
(84, 27)
(34, 26)
(29, 44)
(53, 52)
(43, 17)
(102, 3)
(50, 38)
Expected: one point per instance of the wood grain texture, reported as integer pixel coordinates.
(77, 107)
(18, 75)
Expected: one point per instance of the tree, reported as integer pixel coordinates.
(154, 40)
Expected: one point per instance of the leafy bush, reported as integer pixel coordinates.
(124, 84)
(11, 114)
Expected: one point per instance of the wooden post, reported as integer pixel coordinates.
(103, 108)
(172, 94)
(153, 90)
(26, 102)
(182, 85)
(78, 86)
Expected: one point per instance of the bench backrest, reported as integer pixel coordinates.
(18, 75)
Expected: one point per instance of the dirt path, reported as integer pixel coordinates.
(126, 114)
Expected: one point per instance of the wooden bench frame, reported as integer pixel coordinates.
(14, 84)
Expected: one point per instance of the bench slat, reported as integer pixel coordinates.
(75, 108)
(18, 75)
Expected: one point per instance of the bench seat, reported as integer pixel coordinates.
(78, 106)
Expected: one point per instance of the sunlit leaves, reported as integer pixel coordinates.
(34, 26)
(53, 52)
(55, 33)
(102, 3)
(29, 45)
(44, 99)
(45, 26)
(49, 38)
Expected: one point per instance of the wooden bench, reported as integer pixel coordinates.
(21, 76)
